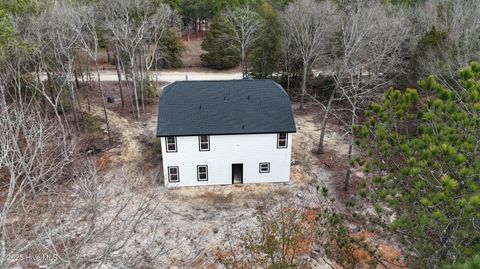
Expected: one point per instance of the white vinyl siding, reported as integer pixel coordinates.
(225, 150)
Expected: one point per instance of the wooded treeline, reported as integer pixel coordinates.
(51, 50)
(421, 147)
(346, 52)
(49, 78)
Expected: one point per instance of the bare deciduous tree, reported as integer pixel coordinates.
(127, 22)
(103, 232)
(61, 21)
(89, 42)
(32, 159)
(273, 243)
(453, 30)
(136, 28)
(373, 42)
(244, 24)
(310, 25)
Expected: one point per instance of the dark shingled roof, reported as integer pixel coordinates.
(224, 107)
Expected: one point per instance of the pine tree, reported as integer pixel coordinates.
(425, 146)
(221, 52)
(266, 52)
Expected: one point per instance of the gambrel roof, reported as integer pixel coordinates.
(224, 107)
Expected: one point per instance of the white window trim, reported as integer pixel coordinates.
(174, 143)
(206, 172)
(286, 141)
(260, 167)
(200, 143)
(170, 174)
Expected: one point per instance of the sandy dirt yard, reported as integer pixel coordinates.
(155, 227)
(186, 225)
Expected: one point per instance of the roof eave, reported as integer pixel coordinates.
(211, 134)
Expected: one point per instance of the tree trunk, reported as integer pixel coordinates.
(129, 91)
(142, 85)
(77, 92)
(89, 78)
(119, 74)
(3, 102)
(304, 85)
(288, 82)
(244, 72)
(246, 63)
(324, 121)
(77, 83)
(39, 80)
(50, 88)
(108, 55)
(72, 96)
(104, 104)
(134, 79)
(83, 79)
(347, 175)
(350, 151)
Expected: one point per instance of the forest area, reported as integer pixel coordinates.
(386, 159)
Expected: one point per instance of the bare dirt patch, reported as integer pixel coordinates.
(195, 219)
(191, 222)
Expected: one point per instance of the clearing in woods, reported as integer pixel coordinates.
(185, 226)
(194, 220)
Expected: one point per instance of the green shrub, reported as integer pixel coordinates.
(90, 123)
(473, 263)
(170, 51)
(150, 93)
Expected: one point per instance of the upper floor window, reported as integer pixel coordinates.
(204, 142)
(173, 174)
(264, 167)
(202, 172)
(282, 139)
(171, 143)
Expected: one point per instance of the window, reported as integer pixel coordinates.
(204, 142)
(202, 172)
(173, 175)
(282, 139)
(171, 142)
(264, 167)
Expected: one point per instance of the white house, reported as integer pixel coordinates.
(225, 132)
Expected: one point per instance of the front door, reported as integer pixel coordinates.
(237, 173)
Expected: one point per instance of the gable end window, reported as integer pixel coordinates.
(173, 174)
(264, 168)
(282, 139)
(204, 142)
(202, 172)
(171, 143)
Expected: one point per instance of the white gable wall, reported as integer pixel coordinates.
(225, 150)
